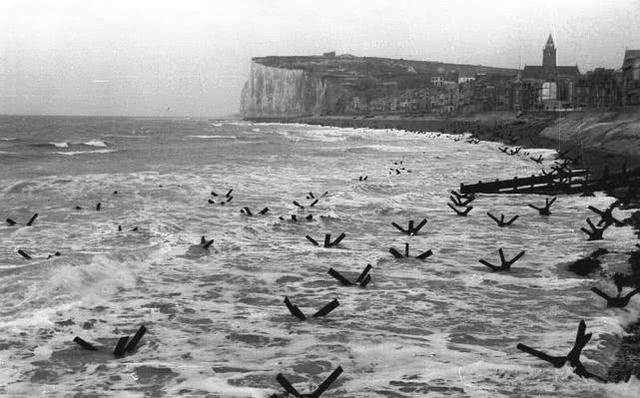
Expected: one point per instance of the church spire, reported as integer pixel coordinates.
(550, 41)
(549, 55)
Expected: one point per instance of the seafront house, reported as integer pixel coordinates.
(631, 78)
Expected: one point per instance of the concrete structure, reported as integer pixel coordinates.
(631, 78)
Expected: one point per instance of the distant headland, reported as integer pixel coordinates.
(548, 104)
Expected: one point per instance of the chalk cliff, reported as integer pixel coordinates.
(279, 92)
(287, 87)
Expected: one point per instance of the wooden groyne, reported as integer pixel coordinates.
(565, 182)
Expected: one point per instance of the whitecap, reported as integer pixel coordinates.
(59, 144)
(95, 143)
(228, 137)
(70, 153)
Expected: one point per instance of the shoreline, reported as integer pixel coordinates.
(527, 131)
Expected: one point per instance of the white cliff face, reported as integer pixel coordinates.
(277, 92)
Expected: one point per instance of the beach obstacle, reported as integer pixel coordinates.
(78, 208)
(247, 211)
(606, 216)
(363, 178)
(537, 160)
(327, 240)
(573, 357)
(411, 230)
(228, 197)
(466, 195)
(460, 202)
(562, 154)
(56, 254)
(98, 206)
(123, 346)
(463, 213)
(32, 220)
(398, 255)
(595, 233)
(84, 344)
(500, 221)
(316, 393)
(295, 311)
(204, 243)
(10, 222)
(363, 280)
(294, 218)
(504, 264)
(24, 254)
(544, 211)
(298, 205)
(618, 301)
(515, 151)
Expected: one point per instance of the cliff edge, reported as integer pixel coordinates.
(297, 86)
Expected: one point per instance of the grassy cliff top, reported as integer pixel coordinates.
(349, 65)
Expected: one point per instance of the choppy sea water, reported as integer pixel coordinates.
(216, 323)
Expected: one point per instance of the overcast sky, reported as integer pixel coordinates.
(191, 58)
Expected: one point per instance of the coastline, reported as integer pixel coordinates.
(536, 131)
(594, 148)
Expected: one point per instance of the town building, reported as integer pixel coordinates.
(631, 78)
(557, 82)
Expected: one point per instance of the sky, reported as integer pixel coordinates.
(192, 57)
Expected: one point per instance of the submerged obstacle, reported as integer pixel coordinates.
(327, 240)
(123, 346)
(24, 254)
(606, 216)
(500, 221)
(363, 280)
(561, 181)
(573, 357)
(537, 160)
(463, 213)
(504, 264)
(618, 301)
(29, 223)
(595, 233)
(295, 311)
(32, 220)
(316, 393)
(247, 211)
(544, 211)
(204, 243)
(411, 230)
(294, 218)
(398, 255)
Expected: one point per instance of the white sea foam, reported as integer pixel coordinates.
(228, 137)
(97, 151)
(97, 143)
(60, 144)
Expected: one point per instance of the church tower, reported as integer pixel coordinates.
(549, 55)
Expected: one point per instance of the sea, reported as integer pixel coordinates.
(445, 326)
